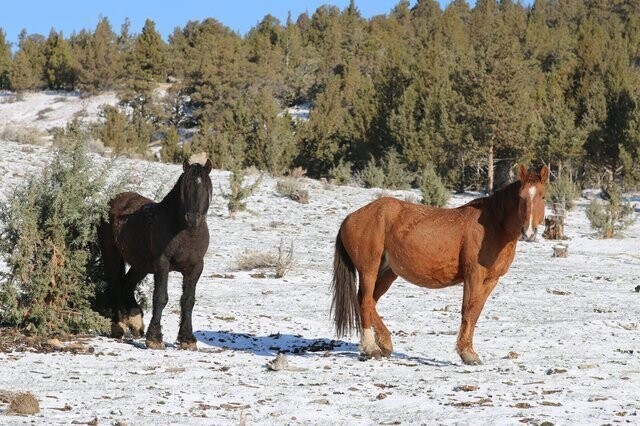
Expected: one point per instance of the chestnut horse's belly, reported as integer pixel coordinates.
(425, 263)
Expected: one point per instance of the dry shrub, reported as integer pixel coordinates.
(24, 135)
(412, 198)
(292, 188)
(285, 261)
(298, 173)
(23, 403)
(281, 262)
(249, 260)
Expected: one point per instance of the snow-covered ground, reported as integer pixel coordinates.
(559, 336)
(46, 110)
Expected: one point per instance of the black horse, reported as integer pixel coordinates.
(155, 238)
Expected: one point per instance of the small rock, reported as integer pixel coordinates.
(466, 388)
(522, 405)
(586, 366)
(55, 344)
(513, 355)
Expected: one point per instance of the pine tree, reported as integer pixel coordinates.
(99, 57)
(213, 80)
(145, 64)
(5, 61)
(27, 71)
(61, 69)
(171, 152)
(498, 96)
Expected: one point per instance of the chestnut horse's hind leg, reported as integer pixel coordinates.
(383, 338)
(475, 294)
(133, 313)
(368, 316)
(187, 300)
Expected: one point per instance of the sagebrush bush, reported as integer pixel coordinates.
(564, 191)
(49, 243)
(434, 192)
(341, 173)
(396, 175)
(238, 193)
(610, 217)
(371, 176)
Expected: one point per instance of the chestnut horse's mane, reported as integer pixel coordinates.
(498, 203)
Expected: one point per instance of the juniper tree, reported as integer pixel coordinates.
(49, 243)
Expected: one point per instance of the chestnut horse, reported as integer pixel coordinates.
(434, 248)
(155, 238)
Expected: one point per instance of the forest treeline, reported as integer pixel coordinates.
(457, 90)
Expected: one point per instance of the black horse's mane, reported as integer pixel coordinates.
(188, 179)
(188, 182)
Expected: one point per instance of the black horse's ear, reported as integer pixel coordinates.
(544, 174)
(522, 173)
(208, 166)
(185, 164)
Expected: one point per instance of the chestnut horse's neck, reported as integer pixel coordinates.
(504, 207)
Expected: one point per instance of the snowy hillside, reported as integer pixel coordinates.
(559, 337)
(46, 110)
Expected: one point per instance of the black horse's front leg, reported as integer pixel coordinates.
(160, 299)
(189, 281)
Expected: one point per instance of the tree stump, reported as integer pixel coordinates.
(560, 250)
(554, 223)
(554, 227)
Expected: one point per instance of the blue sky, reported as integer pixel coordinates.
(239, 15)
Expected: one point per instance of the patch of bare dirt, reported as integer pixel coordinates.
(11, 340)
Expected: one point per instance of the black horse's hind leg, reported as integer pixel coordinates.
(133, 315)
(114, 271)
(189, 281)
(160, 299)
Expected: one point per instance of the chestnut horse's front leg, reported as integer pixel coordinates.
(160, 298)
(189, 281)
(475, 293)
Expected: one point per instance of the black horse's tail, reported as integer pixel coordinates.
(344, 306)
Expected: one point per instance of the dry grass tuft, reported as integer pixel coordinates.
(249, 260)
(286, 261)
(23, 403)
(291, 188)
(281, 262)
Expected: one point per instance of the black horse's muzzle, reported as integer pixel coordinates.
(193, 219)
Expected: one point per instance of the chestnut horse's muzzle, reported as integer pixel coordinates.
(528, 234)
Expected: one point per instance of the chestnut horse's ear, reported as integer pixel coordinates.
(185, 164)
(544, 174)
(208, 166)
(522, 173)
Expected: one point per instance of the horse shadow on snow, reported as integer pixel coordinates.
(290, 344)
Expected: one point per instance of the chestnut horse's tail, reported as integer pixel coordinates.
(344, 306)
